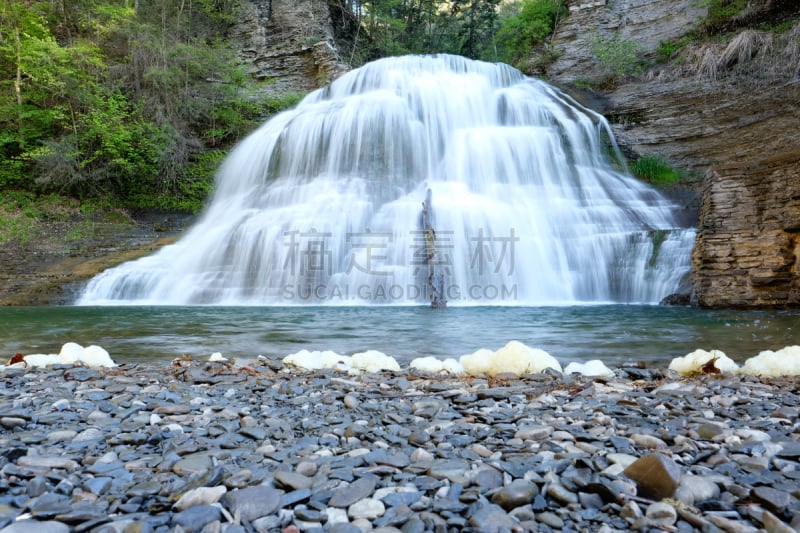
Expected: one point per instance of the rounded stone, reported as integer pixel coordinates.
(368, 508)
(695, 489)
(518, 492)
(661, 514)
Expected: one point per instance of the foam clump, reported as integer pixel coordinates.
(770, 364)
(217, 357)
(594, 369)
(703, 362)
(436, 366)
(72, 354)
(317, 360)
(373, 361)
(515, 357)
(369, 361)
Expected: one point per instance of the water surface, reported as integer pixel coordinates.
(616, 334)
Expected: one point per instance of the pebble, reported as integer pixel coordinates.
(661, 514)
(176, 447)
(696, 489)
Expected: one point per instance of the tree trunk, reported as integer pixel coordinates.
(435, 279)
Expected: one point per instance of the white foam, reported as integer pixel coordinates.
(515, 357)
(436, 366)
(71, 354)
(317, 360)
(698, 361)
(594, 368)
(770, 364)
(373, 361)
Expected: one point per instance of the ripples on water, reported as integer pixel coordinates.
(616, 334)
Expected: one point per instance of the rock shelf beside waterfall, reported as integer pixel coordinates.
(227, 446)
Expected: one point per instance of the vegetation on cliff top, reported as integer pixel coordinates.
(134, 102)
(491, 30)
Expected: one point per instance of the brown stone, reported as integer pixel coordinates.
(656, 475)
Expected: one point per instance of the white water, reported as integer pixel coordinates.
(322, 204)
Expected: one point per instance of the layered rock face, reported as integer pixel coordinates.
(713, 109)
(694, 123)
(748, 243)
(645, 22)
(289, 42)
(730, 110)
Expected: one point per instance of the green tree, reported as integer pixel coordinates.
(476, 23)
(520, 32)
(101, 97)
(27, 53)
(396, 27)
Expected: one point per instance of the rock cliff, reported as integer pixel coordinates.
(645, 22)
(748, 243)
(727, 108)
(291, 43)
(717, 103)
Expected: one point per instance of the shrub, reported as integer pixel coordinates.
(721, 12)
(619, 58)
(670, 48)
(655, 170)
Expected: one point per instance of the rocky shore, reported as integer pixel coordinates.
(222, 446)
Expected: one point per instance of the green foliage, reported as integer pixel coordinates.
(99, 99)
(277, 104)
(20, 211)
(656, 170)
(475, 24)
(398, 27)
(722, 11)
(670, 48)
(620, 58)
(14, 226)
(519, 33)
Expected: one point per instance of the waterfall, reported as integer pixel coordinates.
(531, 202)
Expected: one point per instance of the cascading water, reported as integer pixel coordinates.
(323, 204)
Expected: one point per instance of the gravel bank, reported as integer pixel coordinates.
(221, 447)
